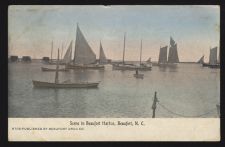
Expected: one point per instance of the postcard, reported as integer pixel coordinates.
(114, 73)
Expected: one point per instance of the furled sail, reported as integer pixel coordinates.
(163, 55)
(201, 60)
(83, 53)
(102, 57)
(213, 56)
(67, 57)
(173, 54)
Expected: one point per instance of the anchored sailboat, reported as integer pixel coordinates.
(84, 57)
(66, 59)
(162, 56)
(172, 56)
(213, 62)
(65, 84)
(125, 66)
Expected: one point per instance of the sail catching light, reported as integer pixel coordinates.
(83, 53)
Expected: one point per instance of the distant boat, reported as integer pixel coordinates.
(102, 57)
(84, 57)
(201, 60)
(213, 62)
(125, 66)
(65, 84)
(172, 59)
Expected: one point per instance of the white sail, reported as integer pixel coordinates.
(213, 56)
(83, 53)
(67, 57)
(201, 60)
(163, 55)
(102, 57)
(173, 54)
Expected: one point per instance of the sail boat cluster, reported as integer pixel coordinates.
(172, 56)
(85, 58)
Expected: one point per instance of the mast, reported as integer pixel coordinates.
(51, 51)
(124, 46)
(57, 68)
(141, 52)
(100, 52)
(62, 51)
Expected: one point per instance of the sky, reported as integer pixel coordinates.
(195, 29)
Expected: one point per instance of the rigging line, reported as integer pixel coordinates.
(210, 111)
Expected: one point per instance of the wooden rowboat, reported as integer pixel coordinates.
(65, 85)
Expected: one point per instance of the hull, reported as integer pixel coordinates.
(50, 69)
(211, 66)
(131, 67)
(97, 67)
(65, 85)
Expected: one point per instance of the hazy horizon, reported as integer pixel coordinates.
(195, 29)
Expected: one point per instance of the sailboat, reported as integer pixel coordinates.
(102, 57)
(163, 56)
(65, 84)
(172, 59)
(125, 66)
(213, 62)
(201, 60)
(84, 57)
(66, 59)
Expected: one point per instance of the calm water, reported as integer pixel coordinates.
(188, 90)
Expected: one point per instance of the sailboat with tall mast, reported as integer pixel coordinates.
(125, 66)
(213, 62)
(172, 59)
(65, 84)
(66, 59)
(163, 56)
(84, 57)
